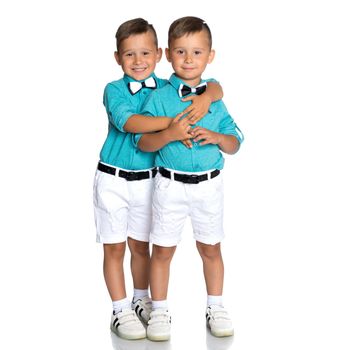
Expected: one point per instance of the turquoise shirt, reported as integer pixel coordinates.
(175, 155)
(119, 149)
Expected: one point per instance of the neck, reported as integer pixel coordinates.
(190, 82)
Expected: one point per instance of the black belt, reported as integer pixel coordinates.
(189, 179)
(127, 175)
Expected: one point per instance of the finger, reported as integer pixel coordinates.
(185, 119)
(188, 129)
(188, 98)
(192, 114)
(205, 142)
(197, 128)
(200, 135)
(194, 119)
(187, 141)
(187, 110)
(177, 118)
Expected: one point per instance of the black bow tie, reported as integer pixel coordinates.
(135, 86)
(185, 90)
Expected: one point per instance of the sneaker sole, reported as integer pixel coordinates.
(222, 333)
(129, 337)
(162, 337)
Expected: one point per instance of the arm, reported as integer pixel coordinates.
(122, 114)
(214, 91)
(178, 130)
(227, 143)
(138, 123)
(201, 103)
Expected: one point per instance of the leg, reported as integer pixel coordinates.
(140, 263)
(213, 267)
(160, 267)
(159, 325)
(113, 270)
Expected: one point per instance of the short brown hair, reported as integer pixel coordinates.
(132, 27)
(188, 25)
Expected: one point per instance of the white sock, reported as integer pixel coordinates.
(140, 293)
(159, 304)
(214, 300)
(119, 305)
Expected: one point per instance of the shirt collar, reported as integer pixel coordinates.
(129, 79)
(176, 81)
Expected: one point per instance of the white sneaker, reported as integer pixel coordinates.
(218, 321)
(143, 308)
(127, 325)
(159, 325)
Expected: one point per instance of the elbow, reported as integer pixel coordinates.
(234, 146)
(146, 148)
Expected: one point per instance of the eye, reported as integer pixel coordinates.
(180, 52)
(146, 53)
(198, 53)
(129, 54)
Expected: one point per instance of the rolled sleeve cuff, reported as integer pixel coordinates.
(123, 119)
(136, 138)
(238, 134)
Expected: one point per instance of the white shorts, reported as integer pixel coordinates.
(122, 208)
(173, 201)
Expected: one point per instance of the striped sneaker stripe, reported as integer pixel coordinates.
(115, 321)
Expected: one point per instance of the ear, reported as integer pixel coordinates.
(159, 54)
(116, 56)
(211, 56)
(167, 54)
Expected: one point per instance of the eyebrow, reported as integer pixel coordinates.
(193, 48)
(142, 49)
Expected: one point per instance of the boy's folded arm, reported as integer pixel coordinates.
(154, 142)
(179, 129)
(138, 123)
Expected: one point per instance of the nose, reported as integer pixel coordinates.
(137, 59)
(188, 58)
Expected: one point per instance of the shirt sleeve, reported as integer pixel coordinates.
(117, 105)
(228, 126)
(151, 109)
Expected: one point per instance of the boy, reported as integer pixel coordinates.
(189, 182)
(124, 178)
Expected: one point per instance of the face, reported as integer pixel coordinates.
(138, 55)
(189, 55)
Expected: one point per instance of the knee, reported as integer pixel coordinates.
(209, 252)
(162, 254)
(138, 248)
(114, 251)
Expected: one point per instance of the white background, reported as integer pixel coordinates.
(284, 67)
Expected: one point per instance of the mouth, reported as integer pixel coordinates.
(139, 69)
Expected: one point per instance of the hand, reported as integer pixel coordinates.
(179, 129)
(208, 136)
(198, 108)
